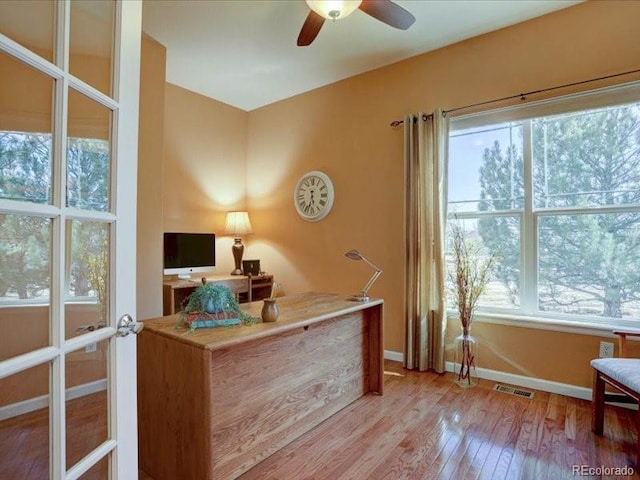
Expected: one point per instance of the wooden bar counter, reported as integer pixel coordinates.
(215, 402)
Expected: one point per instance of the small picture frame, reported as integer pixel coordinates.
(251, 267)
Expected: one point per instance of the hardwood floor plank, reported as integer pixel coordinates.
(485, 435)
(459, 418)
(521, 460)
(570, 432)
(504, 441)
(470, 420)
(430, 435)
(383, 436)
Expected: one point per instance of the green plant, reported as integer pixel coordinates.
(214, 298)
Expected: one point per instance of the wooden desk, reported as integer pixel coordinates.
(214, 403)
(248, 289)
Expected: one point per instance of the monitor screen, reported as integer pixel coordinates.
(186, 253)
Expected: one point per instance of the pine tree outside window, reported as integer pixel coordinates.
(556, 199)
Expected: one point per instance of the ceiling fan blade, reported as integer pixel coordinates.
(388, 12)
(310, 29)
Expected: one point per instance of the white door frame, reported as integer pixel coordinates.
(124, 391)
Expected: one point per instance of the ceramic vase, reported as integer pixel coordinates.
(269, 310)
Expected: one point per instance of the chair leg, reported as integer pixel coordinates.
(597, 405)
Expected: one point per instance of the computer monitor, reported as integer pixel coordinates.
(187, 253)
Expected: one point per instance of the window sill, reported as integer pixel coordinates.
(580, 327)
(38, 303)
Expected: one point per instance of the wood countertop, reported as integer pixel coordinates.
(296, 311)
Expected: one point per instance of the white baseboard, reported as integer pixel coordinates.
(394, 356)
(513, 379)
(531, 382)
(36, 403)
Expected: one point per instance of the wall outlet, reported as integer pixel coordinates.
(92, 347)
(606, 350)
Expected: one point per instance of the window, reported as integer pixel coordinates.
(555, 198)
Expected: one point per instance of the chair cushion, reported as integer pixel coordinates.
(623, 370)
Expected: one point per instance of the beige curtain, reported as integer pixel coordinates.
(425, 146)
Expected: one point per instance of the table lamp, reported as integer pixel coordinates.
(363, 296)
(237, 224)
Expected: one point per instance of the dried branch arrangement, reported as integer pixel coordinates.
(470, 276)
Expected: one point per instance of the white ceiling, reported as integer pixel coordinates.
(244, 53)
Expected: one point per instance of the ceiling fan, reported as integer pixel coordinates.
(384, 10)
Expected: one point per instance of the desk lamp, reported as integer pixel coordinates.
(363, 296)
(238, 224)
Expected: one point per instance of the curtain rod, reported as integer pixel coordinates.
(523, 96)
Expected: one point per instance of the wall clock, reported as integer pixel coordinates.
(313, 196)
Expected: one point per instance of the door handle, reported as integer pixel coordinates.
(128, 325)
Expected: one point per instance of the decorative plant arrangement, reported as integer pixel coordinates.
(470, 275)
(213, 305)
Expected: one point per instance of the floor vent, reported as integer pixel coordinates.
(513, 390)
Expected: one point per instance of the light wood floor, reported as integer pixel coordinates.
(423, 427)
(24, 440)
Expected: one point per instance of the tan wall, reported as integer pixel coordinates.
(343, 129)
(204, 167)
(150, 179)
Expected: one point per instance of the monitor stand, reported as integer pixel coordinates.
(184, 276)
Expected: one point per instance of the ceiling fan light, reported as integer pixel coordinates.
(333, 9)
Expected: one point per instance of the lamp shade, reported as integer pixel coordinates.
(363, 296)
(237, 223)
(333, 9)
(353, 255)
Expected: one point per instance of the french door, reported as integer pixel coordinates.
(69, 79)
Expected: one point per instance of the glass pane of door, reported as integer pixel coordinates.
(24, 424)
(26, 127)
(100, 471)
(88, 153)
(31, 24)
(25, 288)
(87, 400)
(91, 42)
(87, 305)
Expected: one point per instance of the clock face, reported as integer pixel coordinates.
(313, 196)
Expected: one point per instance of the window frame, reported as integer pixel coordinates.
(528, 313)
